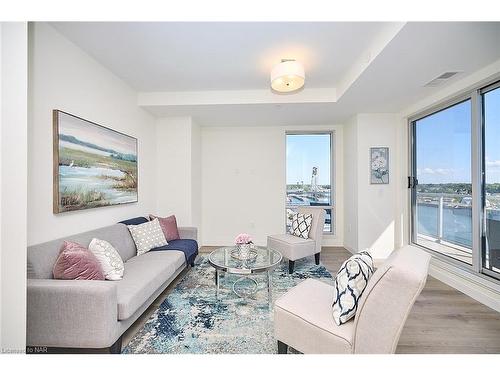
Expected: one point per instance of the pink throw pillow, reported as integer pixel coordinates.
(168, 226)
(76, 262)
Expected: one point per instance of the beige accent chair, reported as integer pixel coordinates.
(293, 247)
(303, 316)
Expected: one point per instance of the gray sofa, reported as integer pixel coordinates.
(89, 313)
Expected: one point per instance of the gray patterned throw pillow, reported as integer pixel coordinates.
(350, 282)
(147, 236)
(301, 225)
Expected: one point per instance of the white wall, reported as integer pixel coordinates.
(377, 204)
(350, 182)
(480, 77)
(243, 179)
(13, 178)
(196, 183)
(63, 77)
(178, 169)
(375, 224)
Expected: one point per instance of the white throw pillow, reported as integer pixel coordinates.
(301, 225)
(147, 236)
(110, 260)
(350, 282)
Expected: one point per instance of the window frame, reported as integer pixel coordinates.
(480, 92)
(333, 190)
(413, 173)
(474, 94)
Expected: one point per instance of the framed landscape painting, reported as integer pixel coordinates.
(379, 165)
(94, 166)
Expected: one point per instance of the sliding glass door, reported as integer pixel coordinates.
(491, 201)
(455, 180)
(443, 194)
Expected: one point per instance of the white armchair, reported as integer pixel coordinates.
(303, 316)
(293, 247)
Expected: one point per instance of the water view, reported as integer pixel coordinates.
(97, 166)
(304, 197)
(457, 224)
(445, 219)
(99, 179)
(308, 174)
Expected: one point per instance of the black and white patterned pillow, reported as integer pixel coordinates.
(350, 282)
(301, 225)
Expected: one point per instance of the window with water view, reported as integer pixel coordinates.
(491, 116)
(443, 214)
(308, 174)
(446, 216)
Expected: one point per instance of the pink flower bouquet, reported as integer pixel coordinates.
(242, 239)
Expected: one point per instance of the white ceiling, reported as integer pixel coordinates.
(371, 67)
(187, 56)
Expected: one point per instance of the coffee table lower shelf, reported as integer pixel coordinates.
(265, 261)
(240, 280)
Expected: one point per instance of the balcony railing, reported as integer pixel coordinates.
(444, 223)
(446, 217)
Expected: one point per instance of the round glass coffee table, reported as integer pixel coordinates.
(264, 260)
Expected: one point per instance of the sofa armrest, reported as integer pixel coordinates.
(188, 233)
(71, 313)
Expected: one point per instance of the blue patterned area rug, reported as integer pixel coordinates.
(191, 320)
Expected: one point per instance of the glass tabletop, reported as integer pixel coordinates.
(266, 259)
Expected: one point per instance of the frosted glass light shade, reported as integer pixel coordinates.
(287, 76)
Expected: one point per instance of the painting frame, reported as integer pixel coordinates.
(57, 207)
(379, 166)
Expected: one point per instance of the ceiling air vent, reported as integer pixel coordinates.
(441, 79)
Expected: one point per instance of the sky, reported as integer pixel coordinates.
(443, 147)
(444, 143)
(305, 151)
(88, 132)
(492, 135)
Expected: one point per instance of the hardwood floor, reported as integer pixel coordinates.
(443, 320)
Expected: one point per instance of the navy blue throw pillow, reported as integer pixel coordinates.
(135, 221)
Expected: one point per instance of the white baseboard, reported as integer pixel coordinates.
(350, 249)
(479, 288)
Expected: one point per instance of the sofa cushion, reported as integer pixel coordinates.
(143, 276)
(292, 247)
(303, 319)
(187, 246)
(388, 299)
(76, 262)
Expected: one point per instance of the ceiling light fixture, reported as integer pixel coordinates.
(287, 76)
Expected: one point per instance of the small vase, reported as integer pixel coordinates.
(244, 250)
